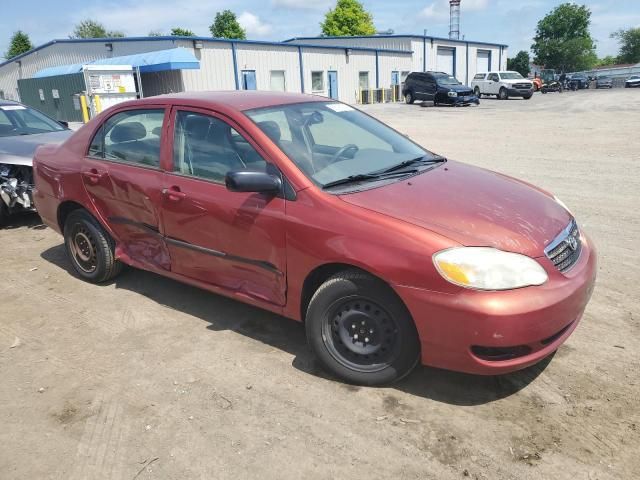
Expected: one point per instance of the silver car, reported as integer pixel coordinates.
(22, 130)
(604, 82)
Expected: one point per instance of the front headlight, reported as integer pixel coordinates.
(452, 94)
(486, 268)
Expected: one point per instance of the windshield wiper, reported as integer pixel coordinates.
(413, 161)
(364, 177)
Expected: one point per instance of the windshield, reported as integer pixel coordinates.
(20, 120)
(331, 141)
(446, 80)
(510, 75)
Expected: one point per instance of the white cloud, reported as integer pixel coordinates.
(302, 4)
(253, 25)
(439, 10)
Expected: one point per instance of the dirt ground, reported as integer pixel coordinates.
(149, 378)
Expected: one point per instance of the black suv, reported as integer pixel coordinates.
(437, 87)
(578, 82)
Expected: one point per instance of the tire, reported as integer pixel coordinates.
(353, 304)
(4, 214)
(527, 97)
(408, 98)
(477, 93)
(503, 95)
(90, 248)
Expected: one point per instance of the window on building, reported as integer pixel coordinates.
(132, 136)
(208, 148)
(248, 79)
(317, 81)
(277, 83)
(363, 80)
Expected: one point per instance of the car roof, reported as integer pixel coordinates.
(238, 100)
(8, 102)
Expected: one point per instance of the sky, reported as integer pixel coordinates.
(512, 22)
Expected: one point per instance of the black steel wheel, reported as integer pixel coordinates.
(361, 331)
(4, 213)
(90, 248)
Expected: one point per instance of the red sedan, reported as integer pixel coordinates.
(391, 255)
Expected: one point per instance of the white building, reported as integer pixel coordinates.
(334, 67)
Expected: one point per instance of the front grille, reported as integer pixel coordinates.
(565, 249)
(522, 85)
(467, 93)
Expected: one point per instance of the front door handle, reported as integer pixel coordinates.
(93, 176)
(174, 194)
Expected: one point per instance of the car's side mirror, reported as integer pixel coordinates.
(252, 181)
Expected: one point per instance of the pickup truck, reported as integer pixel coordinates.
(502, 84)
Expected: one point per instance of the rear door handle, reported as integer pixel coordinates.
(174, 194)
(93, 176)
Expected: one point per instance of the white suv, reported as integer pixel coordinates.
(502, 84)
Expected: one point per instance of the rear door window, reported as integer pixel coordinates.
(132, 137)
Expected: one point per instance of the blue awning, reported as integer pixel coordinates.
(156, 61)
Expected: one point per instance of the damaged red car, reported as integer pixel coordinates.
(391, 255)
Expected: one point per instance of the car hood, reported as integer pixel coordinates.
(512, 81)
(19, 150)
(472, 206)
(456, 88)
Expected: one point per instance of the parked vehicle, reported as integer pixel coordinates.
(22, 130)
(502, 84)
(309, 208)
(604, 82)
(632, 82)
(578, 81)
(554, 86)
(437, 87)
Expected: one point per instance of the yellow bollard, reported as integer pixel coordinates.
(98, 104)
(83, 106)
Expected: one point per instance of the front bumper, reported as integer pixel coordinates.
(462, 100)
(471, 331)
(520, 92)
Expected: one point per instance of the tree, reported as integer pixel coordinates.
(92, 29)
(520, 63)
(20, 43)
(629, 45)
(607, 61)
(155, 33)
(226, 25)
(182, 32)
(347, 19)
(563, 41)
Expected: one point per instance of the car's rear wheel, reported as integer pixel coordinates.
(503, 95)
(90, 248)
(527, 97)
(477, 93)
(361, 331)
(409, 98)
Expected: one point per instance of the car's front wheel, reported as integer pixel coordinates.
(503, 95)
(360, 330)
(528, 97)
(4, 213)
(90, 248)
(409, 98)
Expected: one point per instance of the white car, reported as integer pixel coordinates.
(502, 84)
(632, 81)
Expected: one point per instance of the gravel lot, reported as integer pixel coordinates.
(149, 378)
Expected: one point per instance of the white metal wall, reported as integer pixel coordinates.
(264, 58)
(389, 62)
(216, 68)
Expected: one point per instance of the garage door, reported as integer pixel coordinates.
(483, 62)
(445, 60)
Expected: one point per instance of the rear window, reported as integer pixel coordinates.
(479, 76)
